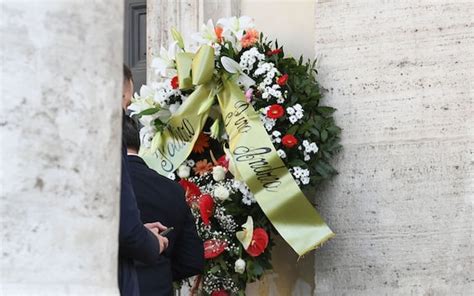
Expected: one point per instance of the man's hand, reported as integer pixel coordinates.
(156, 228)
(161, 239)
(156, 225)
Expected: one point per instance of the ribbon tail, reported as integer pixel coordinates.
(266, 175)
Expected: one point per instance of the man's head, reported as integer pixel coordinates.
(131, 135)
(127, 90)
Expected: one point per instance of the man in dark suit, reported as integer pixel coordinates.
(161, 199)
(136, 241)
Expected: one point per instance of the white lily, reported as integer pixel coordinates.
(142, 101)
(235, 25)
(207, 35)
(245, 236)
(233, 67)
(164, 64)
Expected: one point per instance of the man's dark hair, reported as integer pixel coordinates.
(131, 135)
(127, 73)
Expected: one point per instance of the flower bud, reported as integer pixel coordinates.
(218, 173)
(221, 193)
(239, 266)
(184, 171)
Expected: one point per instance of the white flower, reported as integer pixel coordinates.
(293, 119)
(299, 114)
(281, 153)
(248, 199)
(174, 107)
(218, 173)
(164, 63)
(236, 26)
(190, 162)
(171, 176)
(239, 266)
(233, 67)
(184, 171)
(142, 101)
(221, 192)
(280, 100)
(207, 35)
(290, 110)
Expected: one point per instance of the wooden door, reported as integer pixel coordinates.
(135, 40)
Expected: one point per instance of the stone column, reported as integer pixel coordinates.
(60, 141)
(400, 74)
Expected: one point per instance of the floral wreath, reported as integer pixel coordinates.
(236, 232)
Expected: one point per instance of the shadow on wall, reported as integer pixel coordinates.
(289, 276)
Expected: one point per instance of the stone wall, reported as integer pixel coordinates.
(61, 79)
(400, 74)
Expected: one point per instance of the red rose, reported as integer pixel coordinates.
(191, 190)
(289, 141)
(220, 293)
(213, 248)
(275, 111)
(282, 80)
(259, 242)
(223, 161)
(175, 82)
(274, 52)
(206, 207)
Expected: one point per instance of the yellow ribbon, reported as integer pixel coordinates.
(252, 151)
(173, 145)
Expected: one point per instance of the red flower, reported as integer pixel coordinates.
(223, 161)
(206, 207)
(289, 141)
(201, 144)
(191, 190)
(274, 52)
(175, 82)
(220, 293)
(213, 248)
(275, 111)
(282, 80)
(259, 242)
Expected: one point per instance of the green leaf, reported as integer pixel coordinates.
(214, 269)
(325, 111)
(324, 135)
(292, 130)
(149, 111)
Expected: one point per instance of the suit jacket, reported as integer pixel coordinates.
(160, 199)
(136, 242)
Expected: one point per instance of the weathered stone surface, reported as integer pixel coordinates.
(400, 74)
(186, 16)
(60, 146)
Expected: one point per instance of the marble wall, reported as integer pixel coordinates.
(61, 80)
(400, 74)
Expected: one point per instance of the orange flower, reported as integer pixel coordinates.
(250, 38)
(218, 30)
(202, 167)
(202, 143)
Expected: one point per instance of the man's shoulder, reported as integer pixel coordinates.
(136, 163)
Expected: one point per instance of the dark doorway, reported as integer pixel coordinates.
(135, 40)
